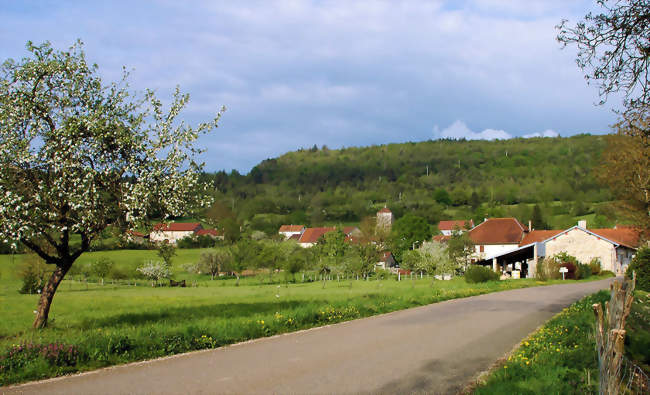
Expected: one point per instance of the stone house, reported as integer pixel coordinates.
(614, 247)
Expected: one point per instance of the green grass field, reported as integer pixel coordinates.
(113, 324)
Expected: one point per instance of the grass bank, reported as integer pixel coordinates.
(93, 326)
(560, 358)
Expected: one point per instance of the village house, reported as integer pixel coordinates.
(311, 235)
(613, 247)
(176, 231)
(387, 261)
(495, 236)
(291, 230)
(448, 227)
(136, 237)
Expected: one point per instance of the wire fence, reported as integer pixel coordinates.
(633, 378)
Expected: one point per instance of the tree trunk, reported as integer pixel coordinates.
(237, 283)
(47, 294)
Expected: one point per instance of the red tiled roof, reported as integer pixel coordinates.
(291, 228)
(451, 225)
(498, 231)
(384, 256)
(627, 236)
(441, 238)
(536, 236)
(135, 233)
(311, 235)
(209, 232)
(177, 227)
(385, 210)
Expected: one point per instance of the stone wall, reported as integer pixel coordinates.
(585, 247)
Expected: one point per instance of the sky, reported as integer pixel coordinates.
(293, 74)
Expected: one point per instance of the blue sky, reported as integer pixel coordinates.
(338, 73)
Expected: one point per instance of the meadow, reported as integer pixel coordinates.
(93, 325)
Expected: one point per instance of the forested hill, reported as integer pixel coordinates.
(320, 185)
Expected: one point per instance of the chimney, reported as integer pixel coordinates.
(582, 223)
(530, 226)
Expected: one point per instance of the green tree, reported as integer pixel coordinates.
(166, 251)
(368, 256)
(334, 245)
(626, 169)
(460, 248)
(537, 218)
(231, 230)
(438, 260)
(213, 262)
(77, 155)
(244, 255)
(295, 261)
(272, 257)
(442, 196)
(407, 232)
(101, 267)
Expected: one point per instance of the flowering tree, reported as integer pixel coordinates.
(77, 156)
(155, 271)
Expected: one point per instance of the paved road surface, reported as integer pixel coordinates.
(434, 349)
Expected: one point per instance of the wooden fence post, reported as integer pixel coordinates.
(610, 334)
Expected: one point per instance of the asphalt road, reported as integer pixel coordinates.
(434, 349)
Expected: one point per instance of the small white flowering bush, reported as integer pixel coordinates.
(155, 271)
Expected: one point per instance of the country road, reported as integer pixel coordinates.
(435, 349)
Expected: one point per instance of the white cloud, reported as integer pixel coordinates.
(459, 130)
(546, 133)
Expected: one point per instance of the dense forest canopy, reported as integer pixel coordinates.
(436, 180)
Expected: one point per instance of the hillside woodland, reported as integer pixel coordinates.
(553, 179)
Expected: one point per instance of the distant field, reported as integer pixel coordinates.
(116, 324)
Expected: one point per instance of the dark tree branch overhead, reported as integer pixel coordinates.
(614, 48)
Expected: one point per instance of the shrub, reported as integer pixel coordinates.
(155, 271)
(34, 273)
(570, 262)
(480, 274)
(204, 241)
(583, 271)
(607, 273)
(572, 270)
(101, 267)
(641, 265)
(55, 354)
(547, 269)
(595, 266)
